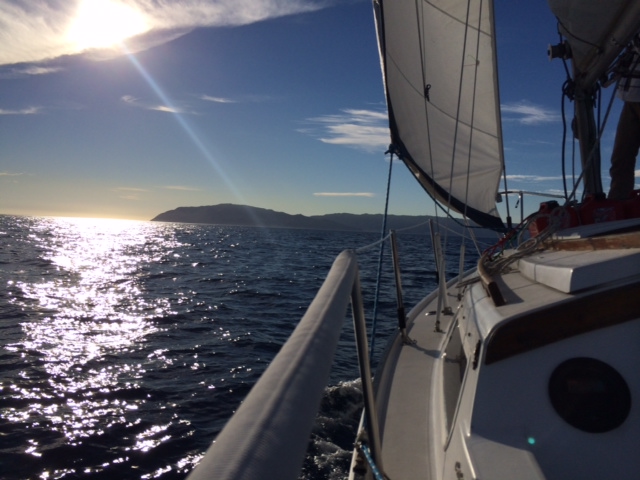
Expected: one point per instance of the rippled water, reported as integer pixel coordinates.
(127, 345)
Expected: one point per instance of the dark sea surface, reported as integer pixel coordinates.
(126, 346)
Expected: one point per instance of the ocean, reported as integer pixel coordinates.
(126, 346)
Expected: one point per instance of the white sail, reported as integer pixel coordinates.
(440, 76)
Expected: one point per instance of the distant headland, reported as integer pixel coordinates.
(243, 215)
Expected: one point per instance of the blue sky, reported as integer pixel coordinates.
(272, 103)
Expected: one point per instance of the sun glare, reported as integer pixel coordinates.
(104, 24)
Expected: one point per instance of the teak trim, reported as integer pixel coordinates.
(559, 322)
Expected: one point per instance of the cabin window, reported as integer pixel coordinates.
(454, 365)
(589, 394)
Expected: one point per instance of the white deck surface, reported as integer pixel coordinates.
(574, 271)
(410, 420)
(405, 428)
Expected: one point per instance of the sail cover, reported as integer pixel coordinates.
(596, 31)
(440, 75)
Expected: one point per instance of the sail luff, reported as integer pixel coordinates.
(498, 112)
(442, 101)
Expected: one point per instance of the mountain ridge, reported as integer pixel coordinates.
(244, 215)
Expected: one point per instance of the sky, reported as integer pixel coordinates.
(127, 109)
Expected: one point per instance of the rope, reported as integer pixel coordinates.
(374, 469)
(374, 244)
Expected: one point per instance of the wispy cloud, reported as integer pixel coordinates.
(9, 174)
(209, 98)
(181, 188)
(528, 114)
(130, 189)
(36, 30)
(344, 194)
(533, 178)
(165, 108)
(29, 71)
(130, 193)
(135, 102)
(362, 129)
(23, 111)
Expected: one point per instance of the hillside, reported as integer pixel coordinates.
(243, 215)
(230, 214)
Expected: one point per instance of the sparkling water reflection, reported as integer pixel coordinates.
(125, 346)
(83, 342)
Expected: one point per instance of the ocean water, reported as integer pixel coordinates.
(125, 346)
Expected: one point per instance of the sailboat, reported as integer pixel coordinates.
(525, 367)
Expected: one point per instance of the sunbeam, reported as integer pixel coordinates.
(183, 123)
(177, 114)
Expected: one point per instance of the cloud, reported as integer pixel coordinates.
(130, 189)
(246, 98)
(29, 71)
(209, 98)
(164, 108)
(533, 178)
(528, 114)
(181, 188)
(130, 193)
(9, 174)
(133, 101)
(24, 111)
(37, 30)
(344, 194)
(361, 129)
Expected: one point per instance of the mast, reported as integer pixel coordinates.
(588, 138)
(596, 33)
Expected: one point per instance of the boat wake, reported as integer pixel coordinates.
(331, 443)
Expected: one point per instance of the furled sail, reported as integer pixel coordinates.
(596, 31)
(439, 67)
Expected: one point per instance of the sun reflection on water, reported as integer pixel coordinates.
(90, 309)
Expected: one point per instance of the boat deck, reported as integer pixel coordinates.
(552, 291)
(406, 413)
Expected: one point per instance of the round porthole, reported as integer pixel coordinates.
(589, 394)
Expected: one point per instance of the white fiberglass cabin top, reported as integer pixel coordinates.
(543, 386)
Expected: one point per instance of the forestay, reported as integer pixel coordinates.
(440, 74)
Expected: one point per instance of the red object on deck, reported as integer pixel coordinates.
(632, 206)
(598, 210)
(567, 216)
(593, 210)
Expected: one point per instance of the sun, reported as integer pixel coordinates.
(104, 24)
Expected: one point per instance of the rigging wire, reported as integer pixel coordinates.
(380, 256)
(473, 107)
(427, 88)
(458, 107)
(596, 145)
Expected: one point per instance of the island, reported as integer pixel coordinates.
(244, 215)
